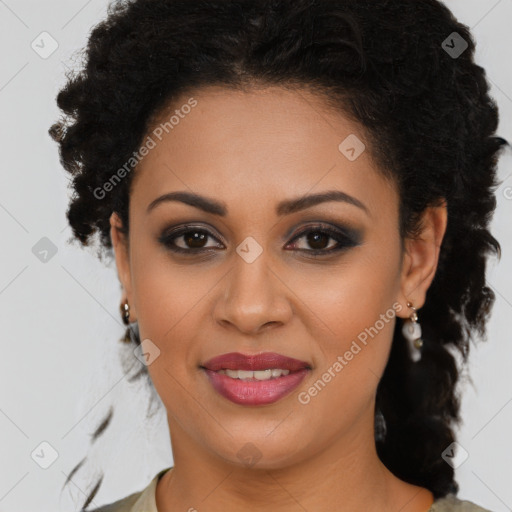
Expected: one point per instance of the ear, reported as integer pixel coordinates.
(421, 256)
(122, 256)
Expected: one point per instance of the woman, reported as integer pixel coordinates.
(279, 181)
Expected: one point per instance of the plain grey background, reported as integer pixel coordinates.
(60, 370)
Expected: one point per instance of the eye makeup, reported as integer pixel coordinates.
(193, 239)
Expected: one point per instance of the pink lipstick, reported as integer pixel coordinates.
(257, 379)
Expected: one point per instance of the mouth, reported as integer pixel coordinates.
(258, 379)
(251, 376)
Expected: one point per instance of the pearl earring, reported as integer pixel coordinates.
(411, 330)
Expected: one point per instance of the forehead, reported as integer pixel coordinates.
(256, 148)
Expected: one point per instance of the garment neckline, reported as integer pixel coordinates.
(148, 497)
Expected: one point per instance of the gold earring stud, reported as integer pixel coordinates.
(125, 312)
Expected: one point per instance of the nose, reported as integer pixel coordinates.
(254, 297)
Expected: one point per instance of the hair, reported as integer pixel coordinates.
(427, 115)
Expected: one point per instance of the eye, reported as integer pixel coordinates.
(188, 239)
(318, 237)
(323, 240)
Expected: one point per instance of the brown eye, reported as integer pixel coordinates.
(194, 239)
(316, 240)
(188, 240)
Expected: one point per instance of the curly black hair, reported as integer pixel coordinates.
(390, 65)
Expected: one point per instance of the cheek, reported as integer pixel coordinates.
(351, 297)
(168, 303)
(166, 293)
(352, 314)
(351, 362)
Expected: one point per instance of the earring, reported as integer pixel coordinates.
(125, 312)
(131, 334)
(411, 330)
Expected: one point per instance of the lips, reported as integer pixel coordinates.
(254, 391)
(264, 361)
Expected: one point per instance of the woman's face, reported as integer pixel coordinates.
(259, 273)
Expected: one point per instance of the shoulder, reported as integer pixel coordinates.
(122, 505)
(141, 501)
(451, 503)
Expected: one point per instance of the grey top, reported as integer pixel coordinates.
(145, 501)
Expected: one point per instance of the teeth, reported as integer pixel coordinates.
(256, 375)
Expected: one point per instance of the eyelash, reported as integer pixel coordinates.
(344, 241)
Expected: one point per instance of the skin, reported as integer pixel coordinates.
(251, 150)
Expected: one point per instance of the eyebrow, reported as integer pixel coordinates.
(285, 207)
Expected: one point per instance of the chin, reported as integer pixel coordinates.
(260, 452)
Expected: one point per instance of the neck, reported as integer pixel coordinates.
(346, 476)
